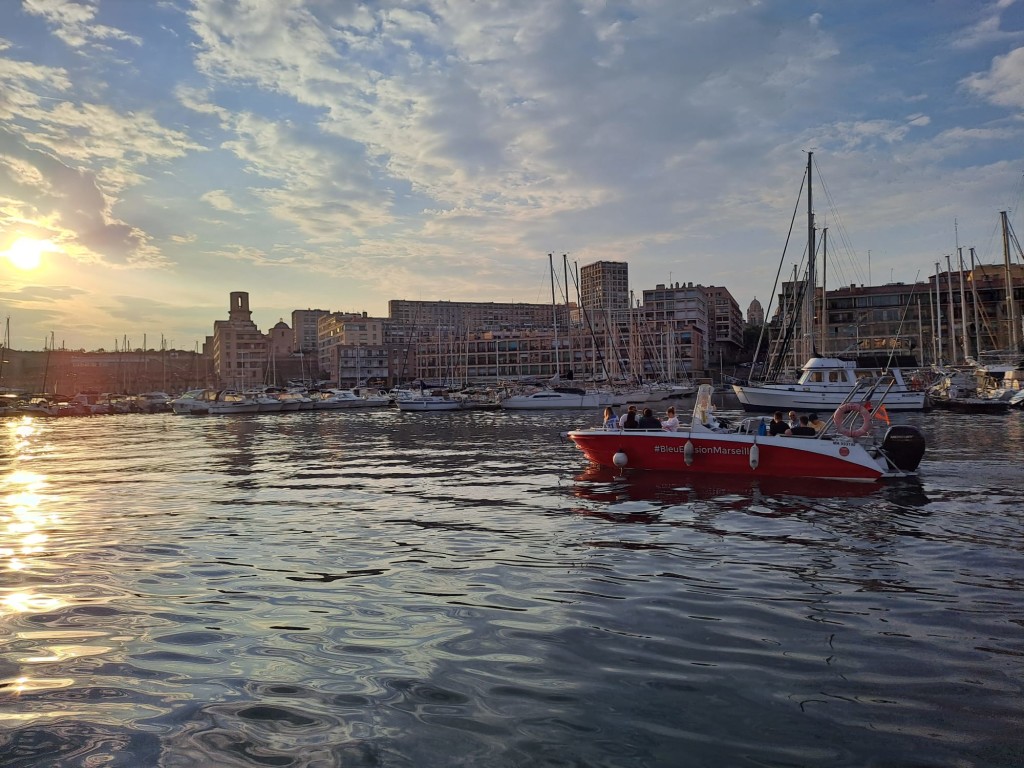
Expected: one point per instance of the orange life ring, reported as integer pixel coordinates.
(845, 410)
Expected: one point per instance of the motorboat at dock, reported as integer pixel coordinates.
(825, 383)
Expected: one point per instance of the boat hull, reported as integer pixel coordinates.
(730, 454)
(783, 397)
(548, 402)
(428, 405)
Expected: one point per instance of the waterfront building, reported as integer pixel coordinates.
(239, 350)
(951, 316)
(993, 311)
(461, 316)
(68, 372)
(672, 333)
(876, 319)
(491, 357)
(352, 349)
(304, 330)
(725, 325)
(604, 290)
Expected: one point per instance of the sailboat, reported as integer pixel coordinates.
(557, 394)
(825, 383)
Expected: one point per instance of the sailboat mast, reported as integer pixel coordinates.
(565, 278)
(974, 303)
(554, 310)
(951, 311)
(823, 325)
(809, 290)
(938, 318)
(1011, 306)
(963, 306)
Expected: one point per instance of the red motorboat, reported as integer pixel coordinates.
(849, 451)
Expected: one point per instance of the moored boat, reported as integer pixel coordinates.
(557, 397)
(192, 402)
(825, 383)
(438, 400)
(709, 446)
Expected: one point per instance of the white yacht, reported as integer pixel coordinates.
(559, 397)
(825, 383)
(438, 400)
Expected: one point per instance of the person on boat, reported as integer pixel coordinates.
(803, 429)
(611, 420)
(793, 420)
(777, 426)
(629, 419)
(814, 421)
(648, 420)
(671, 422)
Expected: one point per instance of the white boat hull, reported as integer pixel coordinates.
(425, 404)
(543, 401)
(783, 397)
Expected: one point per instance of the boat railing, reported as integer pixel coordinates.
(866, 392)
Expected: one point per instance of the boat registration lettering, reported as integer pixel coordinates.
(716, 450)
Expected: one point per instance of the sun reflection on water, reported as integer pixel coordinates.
(26, 519)
(24, 524)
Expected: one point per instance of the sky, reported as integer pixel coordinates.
(156, 156)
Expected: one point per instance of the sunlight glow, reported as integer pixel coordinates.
(26, 253)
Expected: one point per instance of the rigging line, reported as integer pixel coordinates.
(1015, 206)
(785, 247)
(844, 238)
(599, 354)
(906, 309)
(1014, 240)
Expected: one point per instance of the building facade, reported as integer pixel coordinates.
(462, 316)
(604, 291)
(240, 352)
(304, 329)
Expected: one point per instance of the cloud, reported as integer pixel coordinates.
(988, 29)
(73, 22)
(1003, 84)
(37, 187)
(68, 164)
(221, 201)
(441, 148)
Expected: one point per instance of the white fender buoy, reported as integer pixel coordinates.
(755, 456)
(688, 453)
(620, 459)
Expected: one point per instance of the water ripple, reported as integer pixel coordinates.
(386, 589)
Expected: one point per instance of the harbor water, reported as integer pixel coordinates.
(377, 588)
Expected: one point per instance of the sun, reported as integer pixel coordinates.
(27, 253)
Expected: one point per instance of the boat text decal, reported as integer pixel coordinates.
(717, 449)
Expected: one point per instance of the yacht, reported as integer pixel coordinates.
(825, 383)
(557, 397)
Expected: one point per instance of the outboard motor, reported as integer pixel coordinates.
(903, 446)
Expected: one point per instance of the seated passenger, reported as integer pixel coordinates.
(803, 429)
(611, 421)
(777, 426)
(671, 423)
(649, 420)
(814, 421)
(629, 420)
